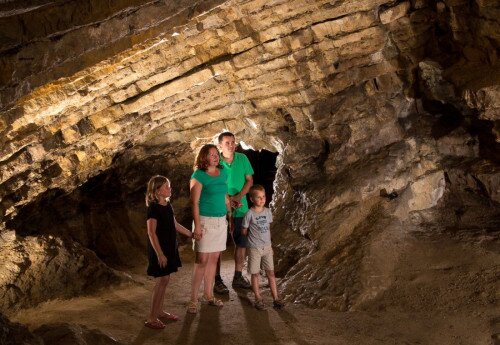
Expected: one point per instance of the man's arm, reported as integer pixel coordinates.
(246, 187)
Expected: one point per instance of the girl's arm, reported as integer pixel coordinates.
(195, 189)
(151, 224)
(182, 230)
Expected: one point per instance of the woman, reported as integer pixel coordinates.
(210, 204)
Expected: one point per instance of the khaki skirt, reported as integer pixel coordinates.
(214, 235)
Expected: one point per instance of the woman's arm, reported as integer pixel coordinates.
(195, 189)
(151, 224)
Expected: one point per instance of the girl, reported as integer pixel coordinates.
(163, 254)
(210, 204)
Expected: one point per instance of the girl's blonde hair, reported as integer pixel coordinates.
(154, 184)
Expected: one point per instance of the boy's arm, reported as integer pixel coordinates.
(245, 224)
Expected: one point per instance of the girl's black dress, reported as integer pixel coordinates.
(167, 237)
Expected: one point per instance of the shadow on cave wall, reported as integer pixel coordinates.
(107, 213)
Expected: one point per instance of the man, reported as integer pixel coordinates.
(239, 182)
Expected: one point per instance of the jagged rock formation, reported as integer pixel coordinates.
(39, 268)
(366, 101)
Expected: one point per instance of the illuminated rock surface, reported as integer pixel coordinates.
(385, 115)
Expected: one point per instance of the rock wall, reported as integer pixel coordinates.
(376, 107)
(40, 268)
(47, 40)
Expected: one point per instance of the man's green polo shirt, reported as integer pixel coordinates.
(237, 170)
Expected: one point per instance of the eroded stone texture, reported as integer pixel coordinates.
(377, 110)
(36, 269)
(69, 334)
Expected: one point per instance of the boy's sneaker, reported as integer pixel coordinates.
(259, 304)
(278, 304)
(241, 282)
(220, 288)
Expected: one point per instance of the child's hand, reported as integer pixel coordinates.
(162, 260)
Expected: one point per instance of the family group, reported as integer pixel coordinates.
(218, 188)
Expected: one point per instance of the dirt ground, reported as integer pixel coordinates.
(120, 313)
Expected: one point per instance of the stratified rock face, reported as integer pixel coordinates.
(46, 40)
(36, 269)
(379, 110)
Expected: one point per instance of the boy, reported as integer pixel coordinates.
(256, 226)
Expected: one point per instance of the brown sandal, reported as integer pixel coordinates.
(212, 301)
(192, 307)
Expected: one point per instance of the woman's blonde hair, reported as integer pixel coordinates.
(154, 184)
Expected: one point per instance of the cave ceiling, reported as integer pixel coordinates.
(255, 68)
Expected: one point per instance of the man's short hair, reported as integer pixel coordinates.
(225, 134)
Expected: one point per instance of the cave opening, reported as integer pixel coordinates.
(264, 165)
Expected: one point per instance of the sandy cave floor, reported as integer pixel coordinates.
(120, 313)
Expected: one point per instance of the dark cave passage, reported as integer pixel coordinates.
(264, 166)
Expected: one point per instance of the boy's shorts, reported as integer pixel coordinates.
(260, 258)
(239, 239)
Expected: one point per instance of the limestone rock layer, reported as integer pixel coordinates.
(365, 101)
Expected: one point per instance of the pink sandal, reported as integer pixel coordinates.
(156, 324)
(168, 317)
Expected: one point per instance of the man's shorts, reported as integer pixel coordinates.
(239, 239)
(260, 258)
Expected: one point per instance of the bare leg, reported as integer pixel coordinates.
(157, 298)
(255, 285)
(217, 272)
(272, 283)
(198, 273)
(210, 274)
(239, 258)
(162, 299)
